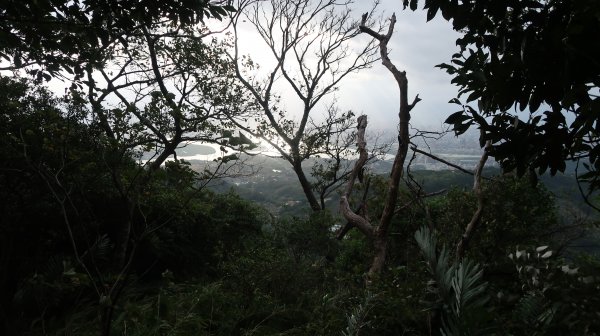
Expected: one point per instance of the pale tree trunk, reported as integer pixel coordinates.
(378, 234)
(476, 219)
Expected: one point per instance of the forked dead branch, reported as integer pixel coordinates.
(379, 233)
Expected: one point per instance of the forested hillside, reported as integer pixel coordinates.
(106, 230)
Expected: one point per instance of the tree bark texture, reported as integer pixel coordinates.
(379, 234)
(306, 186)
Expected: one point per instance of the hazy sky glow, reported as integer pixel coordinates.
(416, 47)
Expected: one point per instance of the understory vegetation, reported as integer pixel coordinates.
(209, 263)
(104, 230)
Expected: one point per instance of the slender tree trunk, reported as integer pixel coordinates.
(380, 253)
(379, 234)
(403, 141)
(463, 243)
(306, 187)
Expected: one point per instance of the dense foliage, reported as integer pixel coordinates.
(540, 57)
(95, 240)
(215, 264)
(71, 35)
(62, 211)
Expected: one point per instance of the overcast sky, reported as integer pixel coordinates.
(416, 47)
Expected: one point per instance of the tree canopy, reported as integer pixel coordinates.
(532, 67)
(68, 35)
(105, 230)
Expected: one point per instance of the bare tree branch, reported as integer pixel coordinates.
(476, 219)
(448, 163)
(309, 42)
(353, 219)
(379, 235)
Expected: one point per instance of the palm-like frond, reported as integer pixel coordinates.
(468, 287)
(534, 310)
(99, 250)
(358, 319)
(460, 289)
(438, 265)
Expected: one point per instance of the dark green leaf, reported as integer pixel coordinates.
(474, 95)
(413, 4)
(432, 12)
(229, 8)
(455, 117)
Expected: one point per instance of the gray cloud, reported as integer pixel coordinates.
(416, 47)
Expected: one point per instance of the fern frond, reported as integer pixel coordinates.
(100, 249)
(468, 288)
(438, 266)
(460, 290)
(357, 320)
(533, 309)
(529, 307)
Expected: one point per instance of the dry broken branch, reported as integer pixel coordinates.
(380, 233)
(353, 219)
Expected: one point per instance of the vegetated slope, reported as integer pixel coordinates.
(275, 186)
